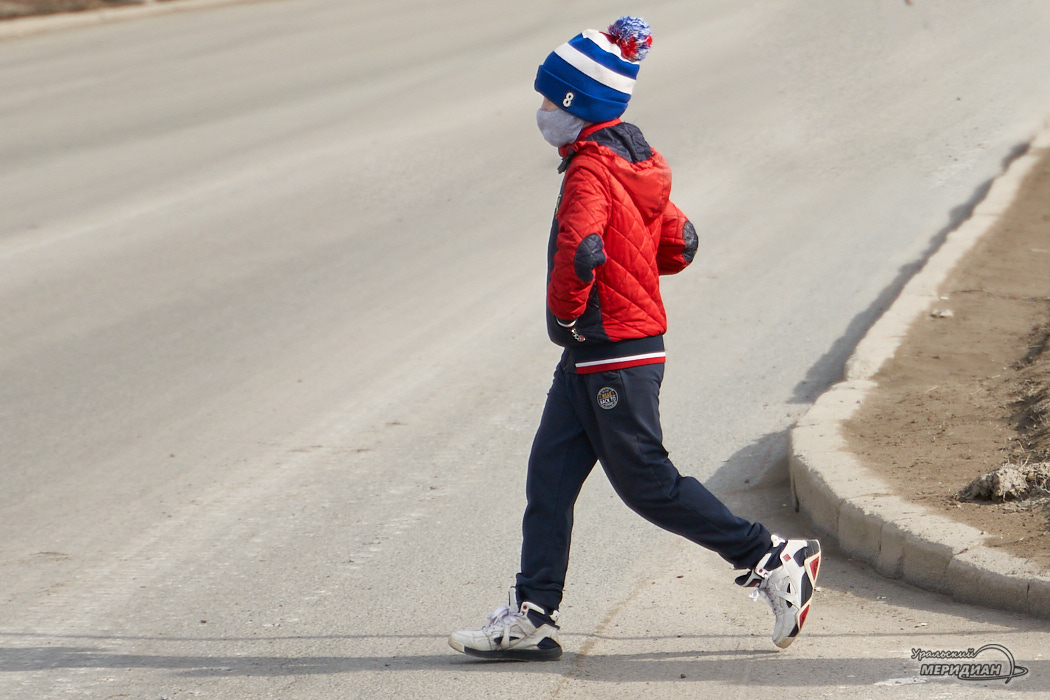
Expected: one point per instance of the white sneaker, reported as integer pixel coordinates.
(786, 577)
(511, 635)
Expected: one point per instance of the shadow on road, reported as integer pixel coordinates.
(779, 668)
(829, 368)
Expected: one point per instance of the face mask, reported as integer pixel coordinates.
(558, 127)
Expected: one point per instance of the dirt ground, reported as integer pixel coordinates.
(9, 9)
(969, 390)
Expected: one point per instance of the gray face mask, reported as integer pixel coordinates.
(558, 127)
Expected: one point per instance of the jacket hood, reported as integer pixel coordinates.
(629, 158)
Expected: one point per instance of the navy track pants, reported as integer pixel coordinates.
(614, 417)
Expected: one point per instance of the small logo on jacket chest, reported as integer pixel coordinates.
(608, 398)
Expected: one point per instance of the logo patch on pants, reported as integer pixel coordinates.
(608, 398)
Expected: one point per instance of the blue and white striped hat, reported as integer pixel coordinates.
(592, 75)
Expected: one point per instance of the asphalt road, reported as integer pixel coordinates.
(272, 344)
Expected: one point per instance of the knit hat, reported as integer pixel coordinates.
(592, 75)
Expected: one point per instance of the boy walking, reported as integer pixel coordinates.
(615, 232)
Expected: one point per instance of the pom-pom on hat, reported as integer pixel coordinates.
(592, 75)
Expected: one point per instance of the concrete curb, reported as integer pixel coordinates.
(856, 508)
(26, 26)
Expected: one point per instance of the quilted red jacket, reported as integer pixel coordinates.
(614, 233)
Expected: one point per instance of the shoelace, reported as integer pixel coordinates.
(759, 592)
(498, 617)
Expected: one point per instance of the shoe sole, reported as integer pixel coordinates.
(514, 654)
(811, 564)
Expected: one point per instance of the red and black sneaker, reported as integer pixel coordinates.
(786, 577)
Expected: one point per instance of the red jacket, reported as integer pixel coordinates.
(615, 232)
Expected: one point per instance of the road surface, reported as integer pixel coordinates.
(272, 344)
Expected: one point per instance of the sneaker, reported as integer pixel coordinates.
(786, 577)
(513, 633)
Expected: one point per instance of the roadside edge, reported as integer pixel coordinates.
(856, 508)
